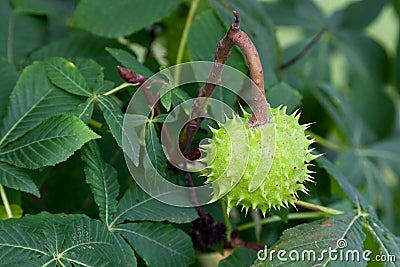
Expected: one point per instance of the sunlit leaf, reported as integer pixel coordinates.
(67, 76)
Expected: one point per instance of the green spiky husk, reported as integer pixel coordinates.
(231, 176)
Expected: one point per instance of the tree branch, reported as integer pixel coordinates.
(138, 79)
(234, 36)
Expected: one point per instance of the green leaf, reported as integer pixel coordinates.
(103, 87)
(16, 211)
(114, 118)
(342, 112)
(8, 78)
(259, 28)
(19, 34)
(15, 178)
(368, 66)
(365, 167)
(67, 76)
(240, 254)
(85, 110)
(388, 243)
(129, 61)
(358, 15)
(87, 46)
(387, 150)
(23, 245)
(166, 100)
(155, 150)
(311, 239)
(54, 230)
(40, 7)
(136, 205)
(103, 181)
(348, 189)
(46, 239)
(134, 120)
(174, 248)
(160, 118)
(98, 17)
(33, 100)
(89, 242)
(128, 257)
(91, 71)
(51, 142)
(305, 14)
(205, 32)
(284, 94)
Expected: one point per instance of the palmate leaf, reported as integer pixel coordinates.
(67, 76)
(89, 242)
(13, 177)
(313, 238)
(102, 179)
(98, 17)
(22, 244)
(114, 118)
(159, 244)
(137, 205)
(33, 100)
(51, 142)
(49, 239)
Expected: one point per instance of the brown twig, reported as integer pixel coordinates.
(303, 51)
(138, 79)
(234, 36)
